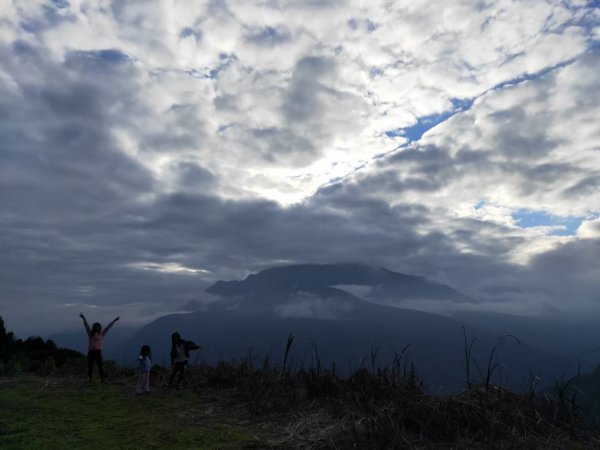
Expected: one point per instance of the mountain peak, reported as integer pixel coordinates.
(377, 284)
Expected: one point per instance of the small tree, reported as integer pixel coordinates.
(7, 343)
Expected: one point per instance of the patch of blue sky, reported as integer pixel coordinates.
(560, 226)
(426, 123)
(532, 76)
(480, 204)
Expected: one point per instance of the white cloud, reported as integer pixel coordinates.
(168, 267)
(114, 108)
(304, 305)
(589, 229)
(388, 65)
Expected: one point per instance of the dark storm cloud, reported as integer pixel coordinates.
(58, 154)
(64, 183)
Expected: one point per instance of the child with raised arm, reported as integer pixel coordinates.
(180, 353)
(95, 345)
(145, 364)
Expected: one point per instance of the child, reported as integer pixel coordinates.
(145, 364)
(180, 352)
(95, 345)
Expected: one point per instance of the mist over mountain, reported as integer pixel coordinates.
(334, 282)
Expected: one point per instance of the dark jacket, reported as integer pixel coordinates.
(187, 345)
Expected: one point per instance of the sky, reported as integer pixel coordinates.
(151, 147)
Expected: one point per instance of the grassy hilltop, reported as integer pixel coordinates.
(47, 403)
(237, 405)
(67, 413)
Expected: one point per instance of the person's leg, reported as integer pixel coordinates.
(147, 382)
(181, 374)
(140, 383)
(99, 362)
(90, 361)
(173, 374)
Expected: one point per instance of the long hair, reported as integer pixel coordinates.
(146, 348)
(175, 340)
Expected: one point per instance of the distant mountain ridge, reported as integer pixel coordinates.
(256, 315)
(317, 304)
(273, 286)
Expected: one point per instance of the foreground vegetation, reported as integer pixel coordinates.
(250, 404)
(238, 405)
(63, 412)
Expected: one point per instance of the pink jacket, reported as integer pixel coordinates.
(97, 341)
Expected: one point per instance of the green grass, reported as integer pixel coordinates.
(42, 414)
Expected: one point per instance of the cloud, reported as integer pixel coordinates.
(304, 305)
(328, 77)
(231, 136)
(589, 229)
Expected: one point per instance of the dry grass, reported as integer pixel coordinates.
(383, 408)
(370, 409)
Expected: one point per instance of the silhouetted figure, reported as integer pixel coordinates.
(180, 353)
(96, 344)
(145, 364)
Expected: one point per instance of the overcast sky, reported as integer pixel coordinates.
(149, 148)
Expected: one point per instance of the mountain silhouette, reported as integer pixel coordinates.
(343, 285)
(256, 315)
